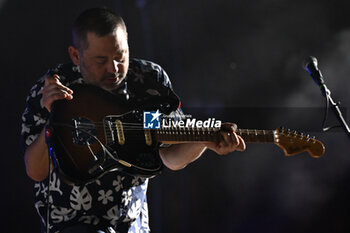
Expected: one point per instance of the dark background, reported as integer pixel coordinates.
(237, 60)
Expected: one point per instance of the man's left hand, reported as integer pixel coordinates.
(229, 140)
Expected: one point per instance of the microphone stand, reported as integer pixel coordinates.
(310, 65)
(335, 107)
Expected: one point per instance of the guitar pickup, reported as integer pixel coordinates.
(83, 131)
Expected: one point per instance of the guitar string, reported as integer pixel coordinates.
(137, 126)
(140, 126)
(189, 131)
(196, 134)
(163, 129)
(199, 135)
(159, 130)
(124, 125)
(199, 131)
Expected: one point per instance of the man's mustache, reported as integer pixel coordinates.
(112, 75)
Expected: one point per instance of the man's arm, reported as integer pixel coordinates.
(36, 158)
(178, 156)
(36, 155)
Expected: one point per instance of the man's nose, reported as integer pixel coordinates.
(113, 67)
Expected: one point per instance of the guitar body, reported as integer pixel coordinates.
(86, 142)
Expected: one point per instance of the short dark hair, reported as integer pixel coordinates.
(99, 20)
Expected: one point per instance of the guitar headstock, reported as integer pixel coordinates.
(294, 143)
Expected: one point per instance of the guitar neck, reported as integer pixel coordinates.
(173, 136)
(257, 136)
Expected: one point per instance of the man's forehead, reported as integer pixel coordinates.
(120, 32)
(121, 39)
(116, 41)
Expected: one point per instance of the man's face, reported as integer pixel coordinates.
(105, 62)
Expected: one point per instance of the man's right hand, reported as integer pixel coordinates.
(54, 90)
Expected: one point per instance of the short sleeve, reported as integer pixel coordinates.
(34, 116)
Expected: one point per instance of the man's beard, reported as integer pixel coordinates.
(88, 78)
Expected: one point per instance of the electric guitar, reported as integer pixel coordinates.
(96, 132)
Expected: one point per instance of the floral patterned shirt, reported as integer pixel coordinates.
(114, 200)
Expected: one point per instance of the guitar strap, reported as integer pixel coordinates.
(52, 163)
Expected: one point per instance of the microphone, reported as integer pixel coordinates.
(310, 65)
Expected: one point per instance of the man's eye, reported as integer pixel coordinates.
(100, 61)
(119, 61)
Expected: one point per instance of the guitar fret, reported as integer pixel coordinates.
(185, 134)
(202, 134)
(258, 136)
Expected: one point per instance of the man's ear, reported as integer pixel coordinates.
(74, 55)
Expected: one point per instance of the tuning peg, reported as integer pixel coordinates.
(313, 139)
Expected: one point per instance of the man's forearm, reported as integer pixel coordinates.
(36, 159)
(177, 156)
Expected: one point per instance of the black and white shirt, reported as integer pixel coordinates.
(115, 200)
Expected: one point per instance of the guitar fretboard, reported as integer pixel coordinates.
(257, 136)
(177, 135)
